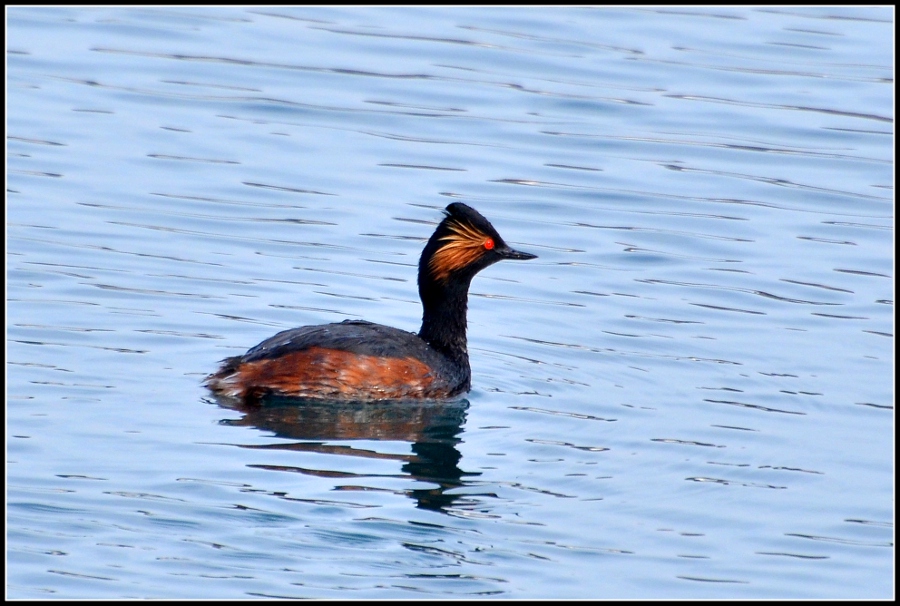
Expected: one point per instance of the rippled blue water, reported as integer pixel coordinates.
(688, 395)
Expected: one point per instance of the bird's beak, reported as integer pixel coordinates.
(508, 253)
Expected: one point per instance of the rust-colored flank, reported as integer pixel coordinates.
(318, 372)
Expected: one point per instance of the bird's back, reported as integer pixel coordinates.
(350, 360)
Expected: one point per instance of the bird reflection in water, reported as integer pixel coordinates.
(432, 429)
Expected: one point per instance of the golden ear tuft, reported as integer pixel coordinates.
(464, 245)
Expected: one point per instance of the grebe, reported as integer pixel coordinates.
(361, 361)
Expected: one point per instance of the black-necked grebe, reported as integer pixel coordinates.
(358, 360)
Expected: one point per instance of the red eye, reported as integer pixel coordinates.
(489, 244)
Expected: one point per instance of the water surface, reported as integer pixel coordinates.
(688, 395)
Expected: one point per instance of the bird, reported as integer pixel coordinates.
(361, 361)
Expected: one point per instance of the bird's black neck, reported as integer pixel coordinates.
(444, 317)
